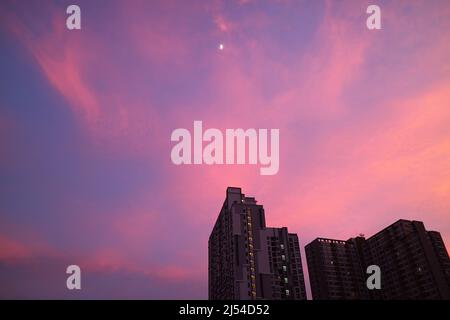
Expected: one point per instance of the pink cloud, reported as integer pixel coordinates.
(98, 260)
(113, 117)
(222, 24)
(60, 60)
(12, 250)
(113, 260)
(18, 244)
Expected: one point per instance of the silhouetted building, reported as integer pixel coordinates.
(413, 261)
(248, 260)
(284, 279)
(335, 270)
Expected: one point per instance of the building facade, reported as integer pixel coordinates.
(413, 261)
(414, 264)
(335, 270)
(247, 260)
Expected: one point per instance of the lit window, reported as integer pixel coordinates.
(287, 292)
(283, 257)
(282, 246)
(285, 280)
(284, 268)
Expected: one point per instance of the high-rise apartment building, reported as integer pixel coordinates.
(248, 260)
(413, 261)
(414, 264)
(335, 270)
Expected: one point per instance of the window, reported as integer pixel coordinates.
(282, 246)
(283, 257)
(285, 280)
(284, 268)
(287, 292)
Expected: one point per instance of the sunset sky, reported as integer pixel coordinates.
(86, 117)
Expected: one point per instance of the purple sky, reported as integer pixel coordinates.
(86, 118)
